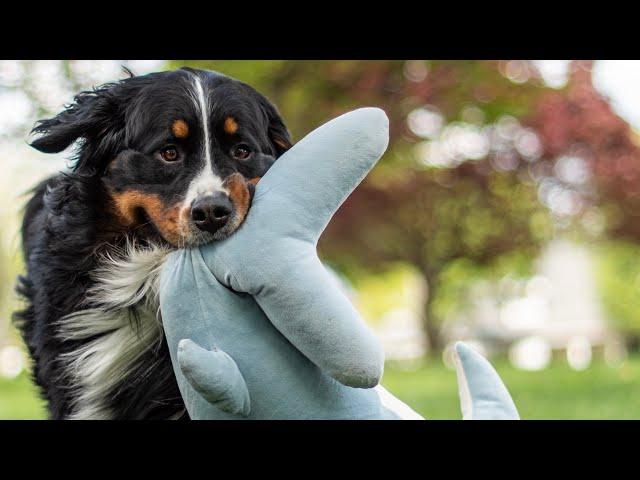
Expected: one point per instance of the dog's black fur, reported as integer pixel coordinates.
(126, 185)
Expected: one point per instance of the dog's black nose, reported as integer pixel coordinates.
(211, 213)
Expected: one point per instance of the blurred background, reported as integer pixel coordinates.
(506, 212)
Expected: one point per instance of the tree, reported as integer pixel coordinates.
(579, 123)
(579, 127)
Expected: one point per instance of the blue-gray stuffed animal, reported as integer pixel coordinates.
(256, 326)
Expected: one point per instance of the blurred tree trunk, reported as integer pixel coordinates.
(431, 323)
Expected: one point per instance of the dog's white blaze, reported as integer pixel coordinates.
(206, 182)
(202, 100)
(98, 366)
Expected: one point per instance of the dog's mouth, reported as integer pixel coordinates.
(192, 236)
(196, 237)
(178, 225)
(205, 225)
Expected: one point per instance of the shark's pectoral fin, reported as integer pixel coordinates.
(483, 396)
(215, 376)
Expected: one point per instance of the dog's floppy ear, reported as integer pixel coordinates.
(279, 135)
(277, 131)
(84, 118)
(95, 116)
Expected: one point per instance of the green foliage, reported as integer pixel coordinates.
(459, 277)
(618, 279)
(397, 287)
(455, 282)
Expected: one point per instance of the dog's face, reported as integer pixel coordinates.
(180, 150)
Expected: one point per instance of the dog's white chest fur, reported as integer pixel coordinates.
(112, 343)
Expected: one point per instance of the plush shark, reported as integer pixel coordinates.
(259, 329)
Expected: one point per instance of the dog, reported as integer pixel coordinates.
(164, 161)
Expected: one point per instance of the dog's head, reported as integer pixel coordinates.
(178, 150)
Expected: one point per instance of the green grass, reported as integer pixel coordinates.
(601, 392)
(19, 400)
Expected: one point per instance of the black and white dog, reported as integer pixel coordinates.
(165, 160)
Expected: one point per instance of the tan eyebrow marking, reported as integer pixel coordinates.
(230, 125)
(180, 129)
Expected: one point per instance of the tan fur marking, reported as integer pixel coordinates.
(180, 129)
(255, 180)
(230, 125)
(236, 185)
(165, 217)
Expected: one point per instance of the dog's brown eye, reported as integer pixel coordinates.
(241, 152)
(169, 154)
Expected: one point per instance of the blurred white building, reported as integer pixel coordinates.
(557, 310)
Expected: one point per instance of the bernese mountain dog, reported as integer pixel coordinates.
(165, 160)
